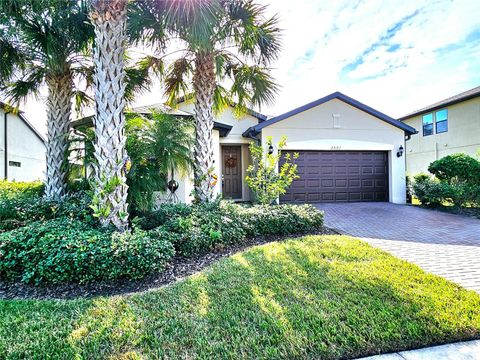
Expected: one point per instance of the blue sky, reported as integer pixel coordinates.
(393, 55)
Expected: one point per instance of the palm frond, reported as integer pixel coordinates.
(146, 23)
(177, 80)
(152, 64)
(82, 100)
(256, 37)
(221, 99)
(18, 90)
(195, 21)
(253, 85)
(138, 82)
(12, 59)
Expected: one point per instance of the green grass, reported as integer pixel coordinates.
(314, 297)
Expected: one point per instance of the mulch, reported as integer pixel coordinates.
(178, 269)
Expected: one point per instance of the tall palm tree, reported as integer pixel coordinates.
(109, 18)
(44, 42)
(222, 41)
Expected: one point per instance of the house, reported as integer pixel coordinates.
(347, 151)
(22, 148)
(448, 126)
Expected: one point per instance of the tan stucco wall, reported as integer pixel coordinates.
(314, 129)
(463, 135)
(24, 147)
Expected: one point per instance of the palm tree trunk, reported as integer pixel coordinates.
(58, 121)
(109, 18)
(204, 87)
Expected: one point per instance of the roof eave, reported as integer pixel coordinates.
(439, 106)
(346, 99)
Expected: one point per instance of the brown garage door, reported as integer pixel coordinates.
(339, 176)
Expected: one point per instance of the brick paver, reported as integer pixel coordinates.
(444, 244)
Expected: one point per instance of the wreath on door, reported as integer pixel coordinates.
(231, 162)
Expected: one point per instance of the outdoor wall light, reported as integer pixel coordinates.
(400, 151)
(270, 150)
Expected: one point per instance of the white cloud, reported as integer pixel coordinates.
(344, 45)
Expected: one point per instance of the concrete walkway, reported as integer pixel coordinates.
(468, 350)
(443, 244)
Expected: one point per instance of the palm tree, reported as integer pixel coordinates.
(158, 144)
(44, 42)
(223, 41)
(109, 17)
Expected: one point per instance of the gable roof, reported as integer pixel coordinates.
(7, 108)
(464, 96)
(255, 130)
(251, 112)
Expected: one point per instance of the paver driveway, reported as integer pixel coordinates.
(444, 244)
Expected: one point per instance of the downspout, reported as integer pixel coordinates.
(5, 139)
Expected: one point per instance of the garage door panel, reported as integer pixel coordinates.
(331, 176)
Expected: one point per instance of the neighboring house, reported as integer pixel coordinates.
(22, 148)
(348, 151)
(446, 127)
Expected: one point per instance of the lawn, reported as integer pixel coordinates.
(314, 297)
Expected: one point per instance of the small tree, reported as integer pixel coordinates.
(262, 176)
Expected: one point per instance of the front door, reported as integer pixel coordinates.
(232, 172)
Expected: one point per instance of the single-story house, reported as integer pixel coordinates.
(348, 151)
(22, 147)
(447, 127)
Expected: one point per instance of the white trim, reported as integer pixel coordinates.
(338, 145)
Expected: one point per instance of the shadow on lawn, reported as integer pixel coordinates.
(325, 299)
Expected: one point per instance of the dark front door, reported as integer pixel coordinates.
(339, 176)
(232, 172)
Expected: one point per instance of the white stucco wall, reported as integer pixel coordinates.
(185, 182)
(314, 129)
(24, 147)
(239, 125)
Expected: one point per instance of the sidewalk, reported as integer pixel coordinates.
(468, 350)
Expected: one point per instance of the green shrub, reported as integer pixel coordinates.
(207, 226)
(281, 219)
(13, 189)
(68, 250)
(266, 177)
(431, 192)
(19, 211)
(456, 168)
(165, 213)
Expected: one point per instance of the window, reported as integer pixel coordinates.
(441, 121)
(427, 122)
(15, 163)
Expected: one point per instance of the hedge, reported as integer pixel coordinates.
(203, 227)
(68, 250)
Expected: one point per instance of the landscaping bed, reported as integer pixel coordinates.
(56, 246)
(326, 297)
(178, 268)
